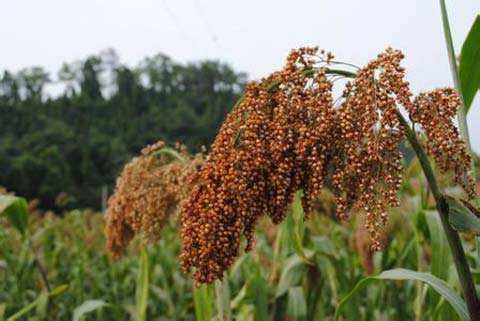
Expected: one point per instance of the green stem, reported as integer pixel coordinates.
(462, 112)
(222, 295)
(453, 238)
(340, 72)
(168, 151)
(311, 71)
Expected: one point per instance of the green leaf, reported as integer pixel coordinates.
(141, 295)
(403, 274)
(16, 210)
(3, 307)
(42, 306)
(58, 290)
(296, 226)
(26, 309)
(261, 298)
(164, 295)
(40, 300)
(237, 301)
(441, 260)
(444, 312)
(297, 305)
(461, 217)
(87, 307)
(293, 270)
(245, 313)
(469, 69)
(440, 264)
(222, 295)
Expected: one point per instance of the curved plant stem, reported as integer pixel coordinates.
(340, 72)
(168, 151)
(453, 238)
(309, 72)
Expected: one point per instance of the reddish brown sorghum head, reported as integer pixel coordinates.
(147, 193)
(286, 135)
(368, 161)
(435, 111)
(273, 143)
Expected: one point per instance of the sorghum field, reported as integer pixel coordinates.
(327, 191)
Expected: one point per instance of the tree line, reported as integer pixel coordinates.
(64, 148)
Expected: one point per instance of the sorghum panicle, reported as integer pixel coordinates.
(286, 135)
(368, 159)
(435, 111)
(147, 193)
(273, 143)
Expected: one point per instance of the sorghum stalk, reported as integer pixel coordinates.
(453, 238)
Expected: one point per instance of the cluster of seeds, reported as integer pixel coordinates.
(285, 135)
(435, 111)
(274, 142)
(368, 169)
(147, 193)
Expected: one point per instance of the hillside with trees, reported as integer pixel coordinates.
(64, 138)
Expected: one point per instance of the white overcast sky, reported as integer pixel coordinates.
(253, 36)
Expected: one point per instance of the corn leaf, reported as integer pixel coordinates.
(440, 264)
(469, 68)
(297, 305)
(41, 310)
(241, 296)
(438, 285)
(293, 271)
(15, 208)
(26, 309)
(261, 298)
(445, 312)
(296, 226)
(87, 307)
(39, 301)
(461, 217)
(440, 250)
(246, 313)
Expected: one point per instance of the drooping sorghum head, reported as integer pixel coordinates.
(435, 111)
(273, 143)
(285, 135)
(367, 173)
(147, 193)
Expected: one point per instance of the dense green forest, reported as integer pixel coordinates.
(63, 148)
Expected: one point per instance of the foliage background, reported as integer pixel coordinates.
(296, 271)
